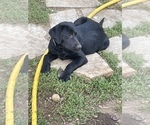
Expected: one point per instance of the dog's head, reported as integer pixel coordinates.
(64, 34)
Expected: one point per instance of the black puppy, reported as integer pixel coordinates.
(74, 41)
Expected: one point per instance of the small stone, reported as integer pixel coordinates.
(100, 106)
(77, 119)
(55, 97)
(114, 117)
(95, 116)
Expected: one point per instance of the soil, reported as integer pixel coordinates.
(48, 108)
(102, 119)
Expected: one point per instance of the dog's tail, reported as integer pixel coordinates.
(101, 22)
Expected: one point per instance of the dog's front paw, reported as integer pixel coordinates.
(63, 76)
(45, 69)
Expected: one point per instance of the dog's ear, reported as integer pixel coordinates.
(101, 22)
(55, 33)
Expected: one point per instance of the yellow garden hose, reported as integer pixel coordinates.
(9, 106)
(102, 7)
(132, 3)
(37, 74)
(34, 90)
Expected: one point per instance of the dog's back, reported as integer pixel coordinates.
(91, 35)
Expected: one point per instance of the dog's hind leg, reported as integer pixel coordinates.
(105, 45)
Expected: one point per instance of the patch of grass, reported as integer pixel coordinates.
(81, 97)
(116, 30)
(41, 120)
(136, 87)
(134, 60)
(38, 13)
(14, 11)
(119, 107)
(142, 29)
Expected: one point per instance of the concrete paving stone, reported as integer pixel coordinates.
(36, 31)
(15, 40)
(134, 17)
(140, 45)
(36, 46)
(111, 16)
(95, 67)
(72, 3)
(66, 15)
(144, 6)
(115, 46)
(12, 47)
(13, 30)
(37, 42)
(127, 71)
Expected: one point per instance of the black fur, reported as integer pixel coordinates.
(74, 41)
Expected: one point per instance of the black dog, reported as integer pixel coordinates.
(74, 41)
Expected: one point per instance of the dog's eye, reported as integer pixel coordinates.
(70, 34)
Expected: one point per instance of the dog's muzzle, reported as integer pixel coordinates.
(78, 47)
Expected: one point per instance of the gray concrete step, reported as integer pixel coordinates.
(72, 3)
(15, 40)
(95, 67)
(115, 46)
(134, 17)
(127, 71)
(111, 16)
(140, 45)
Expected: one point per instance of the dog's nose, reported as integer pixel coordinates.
(79, 47)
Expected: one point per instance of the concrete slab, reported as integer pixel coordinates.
(111, 16)
(134, 17)
(37, 42)
(72, 3)
(141, 6)
(140, 45)
(95, 67)
(127, 71)
(15, 40)
(12, 47)
(66, 15)
(115, 46)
